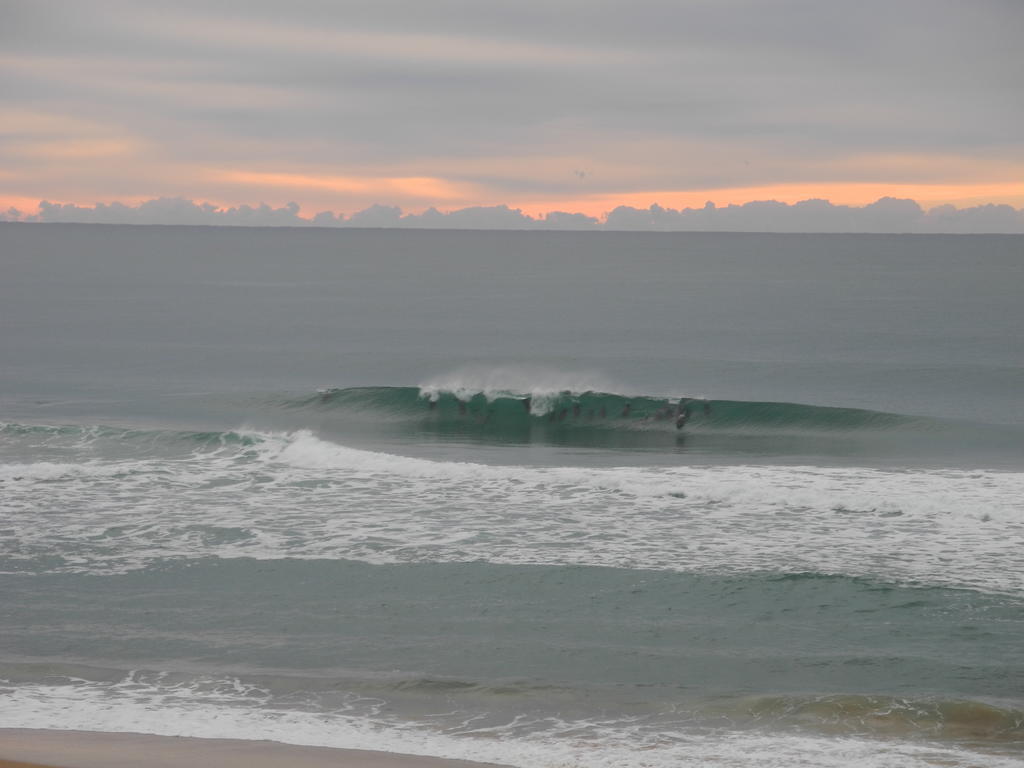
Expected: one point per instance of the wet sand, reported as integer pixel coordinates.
(24, 748)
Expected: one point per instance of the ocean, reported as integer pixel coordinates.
(429, 492)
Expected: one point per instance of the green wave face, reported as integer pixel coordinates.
(610, 420)
(604, 409)
(615, 421)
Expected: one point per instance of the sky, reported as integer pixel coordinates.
(538, 106)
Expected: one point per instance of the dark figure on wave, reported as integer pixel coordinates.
(682, 412)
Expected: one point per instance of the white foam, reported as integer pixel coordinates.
(50, 471)
(219, 709)
(517, 381)
(297, 495)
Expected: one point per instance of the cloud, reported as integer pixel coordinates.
(887, 214)
(170, 210)
(411, 187)
(470, 103)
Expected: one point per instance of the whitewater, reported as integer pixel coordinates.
(267, 496)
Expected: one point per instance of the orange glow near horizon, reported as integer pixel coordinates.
(30, 205)
(853, 194)
(309, 192)
(424, 187)
(22, 204)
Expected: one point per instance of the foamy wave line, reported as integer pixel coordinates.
(847, 489)
(302, 449)
(240, 712)
(44, 471)
(275, 495)
(541, 385)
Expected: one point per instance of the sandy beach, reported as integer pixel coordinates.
(24, 748)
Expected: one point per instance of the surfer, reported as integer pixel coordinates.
(682, 412)
(627, 410)
(527, 403)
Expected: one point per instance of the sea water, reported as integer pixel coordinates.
(425, 492)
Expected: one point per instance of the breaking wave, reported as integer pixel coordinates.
(499, 410)
(818, 732)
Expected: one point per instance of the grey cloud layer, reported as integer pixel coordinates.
(788, 86)
(885, 215)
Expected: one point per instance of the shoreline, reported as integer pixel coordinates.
(44, 748)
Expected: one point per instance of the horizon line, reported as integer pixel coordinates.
(537, 230)
(885, 215)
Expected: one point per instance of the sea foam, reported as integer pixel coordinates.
(298, 495)
(233, 710)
